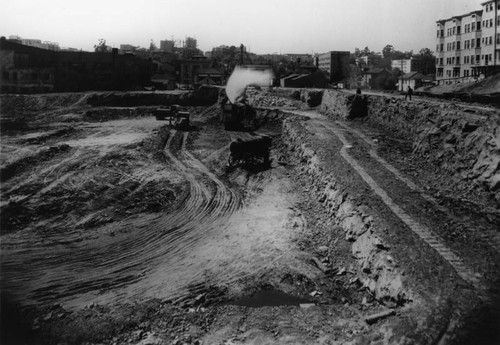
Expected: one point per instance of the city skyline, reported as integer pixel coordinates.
(264, 27)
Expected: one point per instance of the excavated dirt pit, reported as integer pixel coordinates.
(117, 228)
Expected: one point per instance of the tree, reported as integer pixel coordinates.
(388, 51)
(366, 51)
(426, 52)
(101, 46)
(426, 61)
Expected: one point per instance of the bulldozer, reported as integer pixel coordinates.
(176, 117)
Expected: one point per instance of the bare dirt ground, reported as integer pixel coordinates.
(118, 229)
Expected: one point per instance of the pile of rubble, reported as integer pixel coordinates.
(270, 99)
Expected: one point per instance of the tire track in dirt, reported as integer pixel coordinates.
(144, 256)
(421, 230)
(492, 239)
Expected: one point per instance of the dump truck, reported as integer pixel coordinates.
(252, 151)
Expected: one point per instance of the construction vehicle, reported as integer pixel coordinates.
(250, 152)
(176, 117)
(237, 116)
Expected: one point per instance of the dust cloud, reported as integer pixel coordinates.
(241, 78)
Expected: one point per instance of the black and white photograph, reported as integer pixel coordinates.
(230, 172)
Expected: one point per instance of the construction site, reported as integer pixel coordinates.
(288, 216)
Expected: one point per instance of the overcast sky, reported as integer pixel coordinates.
(264, 26)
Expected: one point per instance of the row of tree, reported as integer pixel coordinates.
(389, 53)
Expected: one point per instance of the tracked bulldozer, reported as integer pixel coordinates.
(176, 117)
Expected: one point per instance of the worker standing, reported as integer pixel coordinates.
(409, 93)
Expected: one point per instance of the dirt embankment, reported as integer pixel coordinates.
(28, 107)
(484, 91)
(395, 274)
(462, 142)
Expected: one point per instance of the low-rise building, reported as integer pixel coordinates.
(27, 69)
(376, 78)
(311, 80)
(189, 69)
(411, 79)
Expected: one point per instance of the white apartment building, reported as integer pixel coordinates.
(468, 45)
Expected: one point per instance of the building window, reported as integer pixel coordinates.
(458, 45)
(490, 39)
(478, 59)
(478, 26)
(491, 22)
(478, 43)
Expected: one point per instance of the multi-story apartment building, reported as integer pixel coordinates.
(336, 63)
(468, 45)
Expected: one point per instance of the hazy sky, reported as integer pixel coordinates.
(264, 26)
